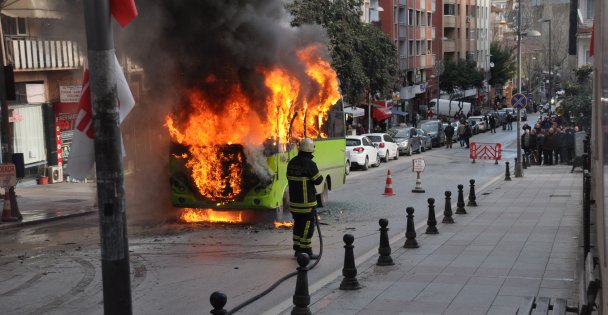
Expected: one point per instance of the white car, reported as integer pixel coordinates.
(362, 152)
(480, 122)
(386, 145)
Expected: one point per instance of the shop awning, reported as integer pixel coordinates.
(355, 111)
(45, 9)
(381, 113)
(396, 111)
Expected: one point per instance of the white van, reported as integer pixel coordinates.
(445, 107)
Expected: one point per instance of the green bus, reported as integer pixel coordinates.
(266, 193)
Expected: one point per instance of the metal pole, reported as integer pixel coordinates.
(550, 67)
(108, 160)
(518, 170)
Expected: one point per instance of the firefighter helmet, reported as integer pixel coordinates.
(307, 145)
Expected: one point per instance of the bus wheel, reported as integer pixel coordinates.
(323, 196)
(282, 212)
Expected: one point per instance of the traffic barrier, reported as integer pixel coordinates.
(447, 211)
(472, 198)
(410, 231)
(485, 151)
(7, 212)
(507, 173)
(301, 297)
(384, 250)
(218, 301)
(349, 282)
(460, 203)
(431, 222)
(388, 191)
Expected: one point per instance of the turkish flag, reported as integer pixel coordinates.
(82, 151)
(124, 11)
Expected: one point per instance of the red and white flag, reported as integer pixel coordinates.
(592, 42)
(82, 150)
(124, 11)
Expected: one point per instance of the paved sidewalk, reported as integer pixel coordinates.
(522, 240)
(39, 203)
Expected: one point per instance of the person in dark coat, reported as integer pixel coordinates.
(548, 147)
(468, 133)
(492, 122)
(449, 134)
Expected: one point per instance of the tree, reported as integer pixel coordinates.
(362, 55)
(505, 64)
(577, 103)
(458, 76)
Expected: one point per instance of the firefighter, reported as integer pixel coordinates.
(302, 176)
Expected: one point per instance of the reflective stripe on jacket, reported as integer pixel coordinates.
(302, 176)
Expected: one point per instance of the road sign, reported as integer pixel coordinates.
(418, 165)
(519, 101)
(8, 175)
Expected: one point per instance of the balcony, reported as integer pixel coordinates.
(449, 45)
(36, 54)
(449, 21)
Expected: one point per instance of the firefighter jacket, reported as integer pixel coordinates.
(302, 176)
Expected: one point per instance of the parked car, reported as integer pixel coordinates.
(362, 152)
(435, 129)
(425, 140)
(480, 122)
(386, 145)
(513, 111)
(406, 138)
(455, 124)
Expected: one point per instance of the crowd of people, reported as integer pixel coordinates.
(549, 142)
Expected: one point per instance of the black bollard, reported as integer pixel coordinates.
(301, 298)
(460, 203)
(447, 212)
(384, 250)
(410, 231)
(507, 174)
(431, 222)
(218, 301)
(472, 198)
(349, 282)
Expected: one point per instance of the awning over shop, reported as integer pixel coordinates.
(381, 113)
(355, 111)
(45, 9)
(396, 111)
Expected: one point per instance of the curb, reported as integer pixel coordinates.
(9, 225)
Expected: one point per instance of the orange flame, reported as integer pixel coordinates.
(207, 128)
(208, 215)
(284, 224)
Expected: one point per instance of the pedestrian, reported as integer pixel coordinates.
(468, 133)
(302, 176)
(360, 129)
(492, 122)
(548, 147)
(460, 133)
(509, 121)
(449, 134)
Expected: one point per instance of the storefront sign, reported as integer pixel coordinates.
(69, 93)
(14, 116)
(35, 93)
(8, 175)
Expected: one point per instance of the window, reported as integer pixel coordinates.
(410, 17)
(429, 19)
(428, 47)
(449, 9)
(417, 48)
(411, 47)
(418, 22)
(14, 26)
(590, 8)
(423, 47)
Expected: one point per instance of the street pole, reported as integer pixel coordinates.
(550, 67)
(108, 160)
(518, 168)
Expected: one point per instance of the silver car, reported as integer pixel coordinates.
(425, 140)
(407, 139)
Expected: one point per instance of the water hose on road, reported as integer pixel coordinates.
(287, 276)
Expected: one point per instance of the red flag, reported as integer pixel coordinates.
(124, 11)
(591, 44)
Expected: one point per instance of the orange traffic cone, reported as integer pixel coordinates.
(7, 213)
(388, 191)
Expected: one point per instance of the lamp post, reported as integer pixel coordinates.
(518, 168)
(550, 61)
(369, 104)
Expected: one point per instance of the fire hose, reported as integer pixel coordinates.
(281, 280)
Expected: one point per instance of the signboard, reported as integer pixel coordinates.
(8, 175)
(35, 93)
(14, 116)
(69, 93)
(519, 101)
(418, 165)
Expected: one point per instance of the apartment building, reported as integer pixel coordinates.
(586, 14)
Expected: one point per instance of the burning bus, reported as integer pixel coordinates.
(231, 152)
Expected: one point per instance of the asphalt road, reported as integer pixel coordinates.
(54, 268)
